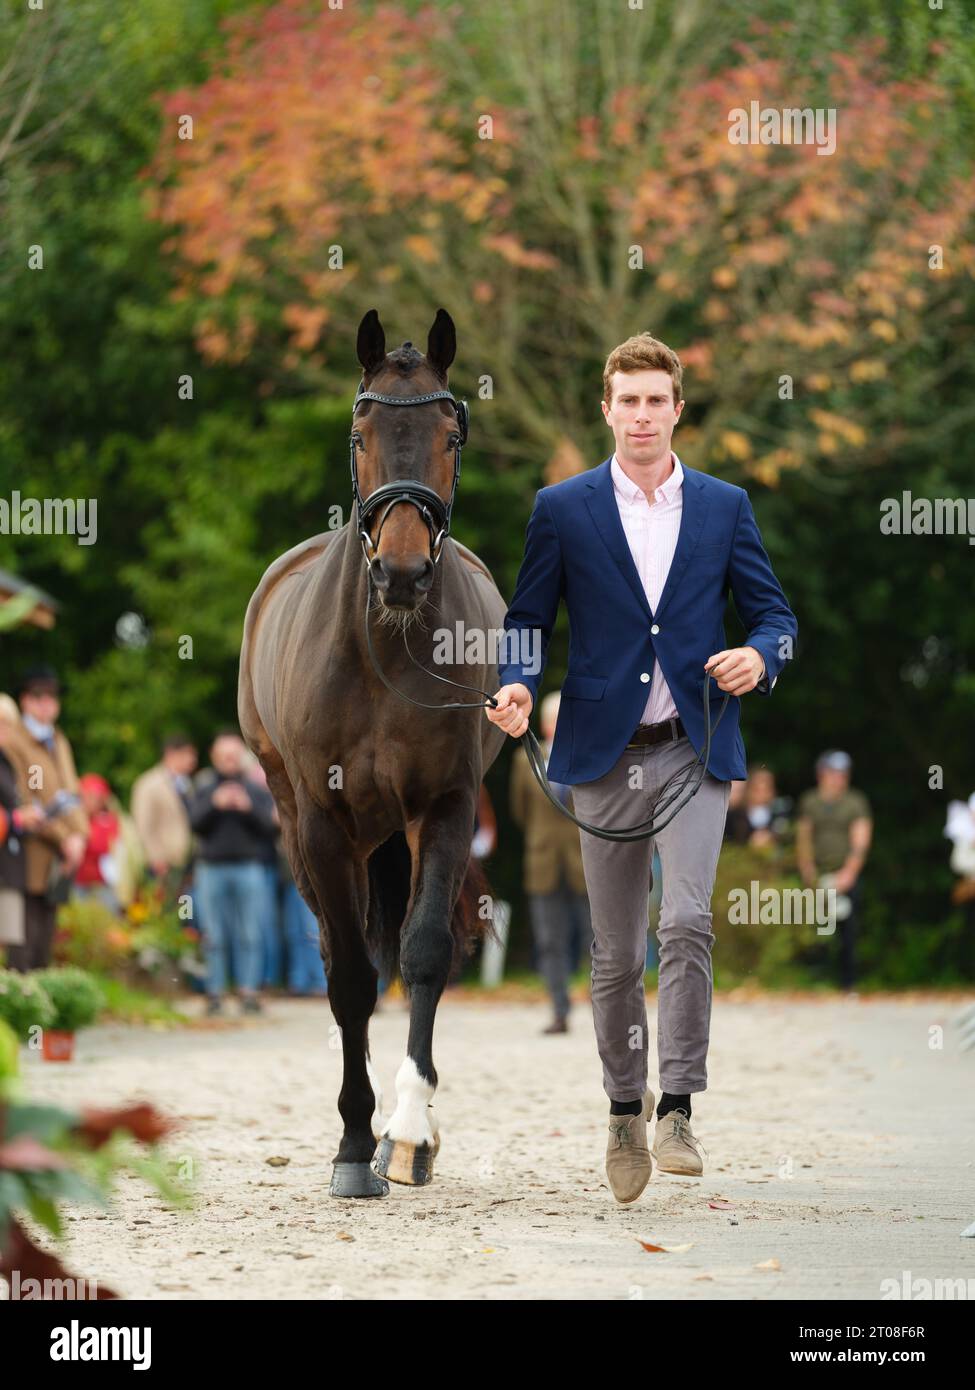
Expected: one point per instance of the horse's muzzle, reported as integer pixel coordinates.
(402, 584)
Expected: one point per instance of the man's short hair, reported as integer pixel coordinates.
(174, 741)
(227, 732)
(642, 353)
(39, 680)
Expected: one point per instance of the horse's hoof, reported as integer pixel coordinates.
(377, 1135)
(356, 1180)
(402, 1161)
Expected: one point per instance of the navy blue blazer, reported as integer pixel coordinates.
(576, 549)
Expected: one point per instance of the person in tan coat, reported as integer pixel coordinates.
(44, 765)
(554, 880)
(159, 809)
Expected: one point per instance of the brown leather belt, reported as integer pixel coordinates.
(668, 731)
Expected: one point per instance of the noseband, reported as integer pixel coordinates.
(431, 506)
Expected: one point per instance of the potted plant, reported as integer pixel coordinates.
(49, 1157)
(24, 1003)
(77, 1002)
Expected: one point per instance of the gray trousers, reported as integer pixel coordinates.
(618, 877)
(553, 917)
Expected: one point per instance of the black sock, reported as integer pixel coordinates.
(625, 1107)
(669, 1102)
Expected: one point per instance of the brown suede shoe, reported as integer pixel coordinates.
(628, 1161)
(673, 1146)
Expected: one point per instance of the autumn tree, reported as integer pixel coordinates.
(561, 176)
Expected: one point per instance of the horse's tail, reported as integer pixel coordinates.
(390, 868)
(473, 918)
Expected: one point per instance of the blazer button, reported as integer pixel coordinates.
(655, 629)
(644, 676)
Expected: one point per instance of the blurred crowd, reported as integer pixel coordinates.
(211, 836)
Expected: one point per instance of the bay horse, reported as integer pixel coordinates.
(377, 797)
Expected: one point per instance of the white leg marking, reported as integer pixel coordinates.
(412, 1120)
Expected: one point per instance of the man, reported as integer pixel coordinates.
(55, 846)
(645, 550)
(757, 815)
(159, 809)
(832, 841)
(16, 820)
(555, 884)
(233, 818)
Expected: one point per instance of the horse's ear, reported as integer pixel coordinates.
(370, 343)
(442, 343)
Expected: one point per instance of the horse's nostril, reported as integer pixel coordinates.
(401, 583)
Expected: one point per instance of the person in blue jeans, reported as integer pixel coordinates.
(232, 818)
(306, 973)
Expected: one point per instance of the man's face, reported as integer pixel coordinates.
(183, 760)
(42, 705)
(642, 415)
(832, 782)
(227, 756)
(761, 787)
(93, 801)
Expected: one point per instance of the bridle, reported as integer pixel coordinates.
(436, 513)
(431, 506)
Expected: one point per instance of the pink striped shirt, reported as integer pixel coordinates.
(651, 533)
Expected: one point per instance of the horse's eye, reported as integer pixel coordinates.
(357, 439)
(452, 441)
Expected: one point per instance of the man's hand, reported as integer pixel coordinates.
(737, 670)
(514, 707)
(28, 818)
(231, 796)
(844, 879)
(72, 852)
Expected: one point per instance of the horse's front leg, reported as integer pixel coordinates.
(339, 882)
(440, 844)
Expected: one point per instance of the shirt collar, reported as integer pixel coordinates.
(43, 733)
(666, 492)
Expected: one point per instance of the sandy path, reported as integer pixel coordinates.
(845, 1144)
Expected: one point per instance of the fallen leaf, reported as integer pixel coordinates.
(144, 1122)
(277, 1161)
(667, 1249)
